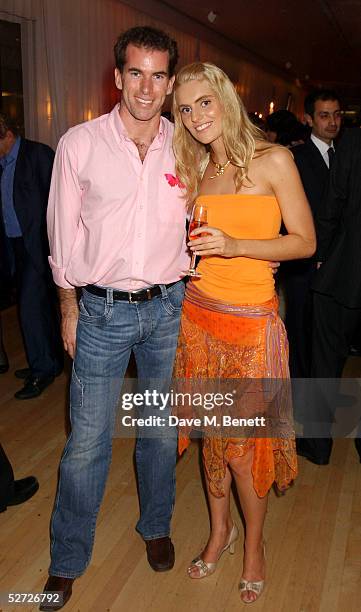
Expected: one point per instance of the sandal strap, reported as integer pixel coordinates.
(204, 568)
(255, 586)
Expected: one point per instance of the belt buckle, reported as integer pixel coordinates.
(130, 297)
(149, 294)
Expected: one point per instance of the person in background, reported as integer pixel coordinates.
(25, 172)
(14, 492)
(283, 127)
(323, 115)
(247, 185)
(337, 289)
(313, 160)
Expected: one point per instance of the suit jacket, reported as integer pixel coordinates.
(314, 173)
(314, 176)
(339, 226)
(30, 192)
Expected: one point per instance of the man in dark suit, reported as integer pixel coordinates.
(337, 286)
(14, 492)
(25, 172)
(323, 115)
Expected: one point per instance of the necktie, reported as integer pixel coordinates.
(331, 155)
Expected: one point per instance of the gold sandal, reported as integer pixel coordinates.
(206, 569)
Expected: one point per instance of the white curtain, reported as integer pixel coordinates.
(79, 39)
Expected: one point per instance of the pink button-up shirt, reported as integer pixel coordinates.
(113, 220)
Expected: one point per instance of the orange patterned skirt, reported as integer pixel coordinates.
(222, 341)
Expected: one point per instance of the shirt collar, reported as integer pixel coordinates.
(13, 153)
(322, 146)
(122, 131)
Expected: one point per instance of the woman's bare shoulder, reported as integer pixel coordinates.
(272, 150)
(274, 155)
(272, 164)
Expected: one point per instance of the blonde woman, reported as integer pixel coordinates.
(248, 186)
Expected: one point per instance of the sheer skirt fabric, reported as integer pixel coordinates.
(244, 341)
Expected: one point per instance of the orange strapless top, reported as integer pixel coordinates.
(240, 280)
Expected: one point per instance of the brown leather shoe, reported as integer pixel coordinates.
(61, 585)
(160, 554)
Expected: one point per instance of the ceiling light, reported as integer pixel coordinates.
(212, 16)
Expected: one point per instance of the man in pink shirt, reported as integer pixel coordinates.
(116, 224)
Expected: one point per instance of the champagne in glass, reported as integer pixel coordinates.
(198, 219)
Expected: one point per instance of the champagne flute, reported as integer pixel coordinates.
(198, 219)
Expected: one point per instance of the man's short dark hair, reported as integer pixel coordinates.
(149, 38)
(319, 94)
(7, 125)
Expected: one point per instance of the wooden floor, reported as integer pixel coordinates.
(313, 533)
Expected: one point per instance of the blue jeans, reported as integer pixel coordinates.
(107, 333)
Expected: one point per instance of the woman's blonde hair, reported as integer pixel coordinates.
(239, 133)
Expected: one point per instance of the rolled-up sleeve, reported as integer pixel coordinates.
(64, 207)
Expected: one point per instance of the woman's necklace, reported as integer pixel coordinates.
(220, 168)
